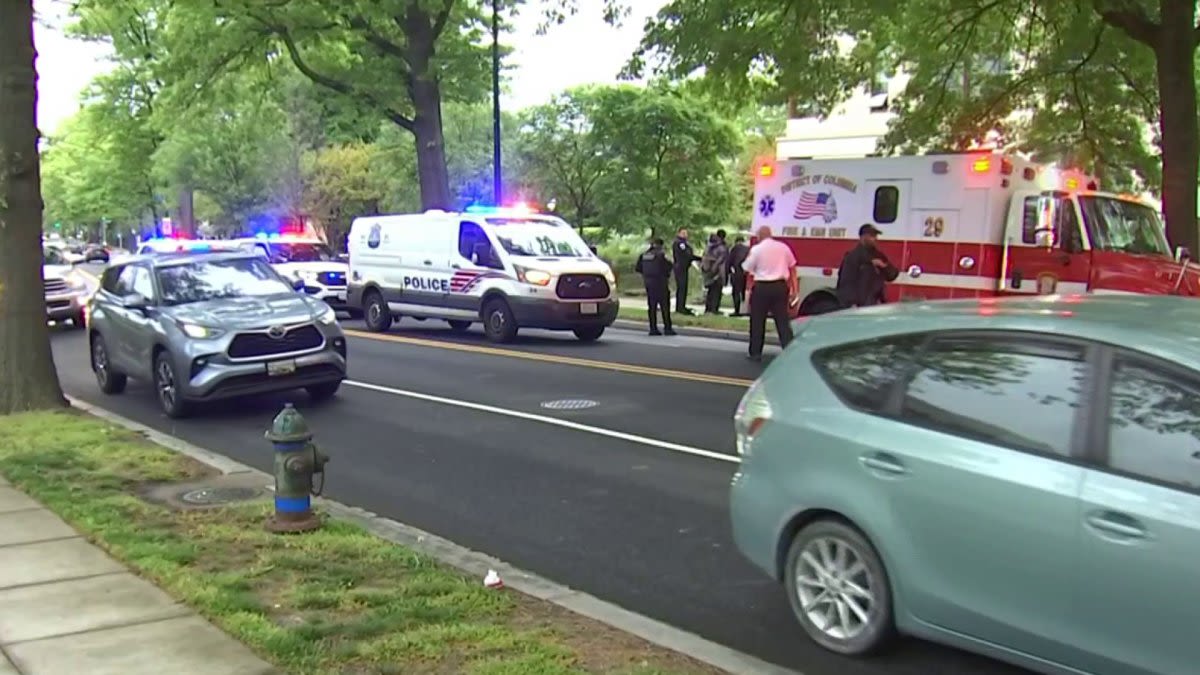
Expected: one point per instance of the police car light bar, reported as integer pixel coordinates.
(519, 208)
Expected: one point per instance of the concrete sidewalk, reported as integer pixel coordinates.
(67, 607)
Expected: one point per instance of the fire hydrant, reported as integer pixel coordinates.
(297, 461)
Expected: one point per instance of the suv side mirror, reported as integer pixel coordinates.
(297, 284)
(135, 301)
(1182, 254)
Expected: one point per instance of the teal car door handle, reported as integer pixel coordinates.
(883, 463)
(1118, 525)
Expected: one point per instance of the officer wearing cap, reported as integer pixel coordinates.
(865, 271)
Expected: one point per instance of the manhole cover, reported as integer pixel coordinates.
(210, 496)
(570, 404)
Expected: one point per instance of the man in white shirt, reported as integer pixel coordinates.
(772, 266)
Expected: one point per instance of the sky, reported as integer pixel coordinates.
(583, 50)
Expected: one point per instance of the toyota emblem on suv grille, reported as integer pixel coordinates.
(277, 332)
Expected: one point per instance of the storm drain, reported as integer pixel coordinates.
(219, 495)
(570, 404)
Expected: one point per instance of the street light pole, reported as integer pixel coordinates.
(497, 188)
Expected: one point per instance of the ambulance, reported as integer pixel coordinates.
(977, 224)
(506, 268)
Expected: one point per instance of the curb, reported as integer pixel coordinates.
(692, 331)
(477, 563)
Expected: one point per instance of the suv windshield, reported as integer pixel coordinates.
(1123, 226)
(216, 279)
(300, 252)
(538, 238)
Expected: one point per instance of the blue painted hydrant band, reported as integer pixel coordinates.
(292, 504)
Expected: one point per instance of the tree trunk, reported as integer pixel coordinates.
(431, 146)
(28, 379)
(187, 217)
(1175, 54)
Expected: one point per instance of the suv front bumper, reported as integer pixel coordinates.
(63, 306)
(212, 377)
(562, 315)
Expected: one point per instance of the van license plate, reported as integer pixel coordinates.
(275, 368)
(589, 308)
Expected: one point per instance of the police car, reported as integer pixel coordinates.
(176, 245)
(507, 268)
(308, 260)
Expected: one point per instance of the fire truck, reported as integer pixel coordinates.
(967, 225)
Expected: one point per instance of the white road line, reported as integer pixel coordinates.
(554, 421)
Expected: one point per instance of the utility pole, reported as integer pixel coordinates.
(497, 187)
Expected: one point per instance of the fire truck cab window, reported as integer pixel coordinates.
(887, 204)
(1029, 221)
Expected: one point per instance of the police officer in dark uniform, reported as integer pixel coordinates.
(655, 269)
(685, 255)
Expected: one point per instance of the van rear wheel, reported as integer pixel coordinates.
(499, 324)
(376, 312)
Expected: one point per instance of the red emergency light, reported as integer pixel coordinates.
(766, 170)
(1072, 183)
(982, 165)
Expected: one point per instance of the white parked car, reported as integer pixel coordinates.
(66, 290)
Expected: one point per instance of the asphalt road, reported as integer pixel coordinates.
(625, 499)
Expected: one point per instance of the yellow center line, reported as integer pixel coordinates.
(554, 358)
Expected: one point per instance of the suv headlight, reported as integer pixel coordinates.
(198, 332)
(327, 316)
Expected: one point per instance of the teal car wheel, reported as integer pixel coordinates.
(839, 590)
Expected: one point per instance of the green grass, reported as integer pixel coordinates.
(333, 601)
(634, 309)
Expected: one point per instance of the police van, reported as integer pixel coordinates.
(507, 268)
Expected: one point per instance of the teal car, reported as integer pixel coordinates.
(1016, 477)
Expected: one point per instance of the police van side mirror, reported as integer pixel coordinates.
(297, 284)
(1182, 254)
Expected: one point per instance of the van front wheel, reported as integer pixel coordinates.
(376, 312)
(498, 322)
(589, 333)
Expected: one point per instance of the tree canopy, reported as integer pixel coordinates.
(1103, 85)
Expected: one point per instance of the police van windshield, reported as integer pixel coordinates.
(1123, 226)
(538, 238)
(216, 279)
(295, 252)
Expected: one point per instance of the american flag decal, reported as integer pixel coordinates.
(465, 280)
(813, 204)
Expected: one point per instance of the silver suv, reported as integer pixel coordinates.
(203, 327)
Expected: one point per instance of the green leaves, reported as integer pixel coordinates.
(632, 160)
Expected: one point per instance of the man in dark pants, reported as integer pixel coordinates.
(737, 275)
(684, 257)
(772, 266)
(865, 271)
(656, 271)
